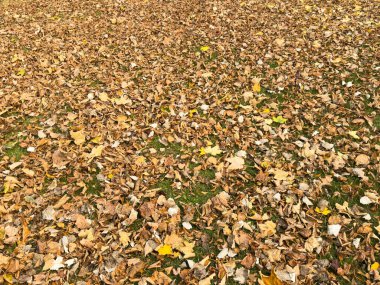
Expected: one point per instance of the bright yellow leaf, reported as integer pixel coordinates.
(375, 266)
(323, 211)
(96, 139)
(191, 112)
(279, 119)
(256, 87)
(205, 48)
(165, 250)
(266, 111)
(21, 72)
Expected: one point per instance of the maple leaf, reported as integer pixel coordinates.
(165, 250)
(272, 279)
(187, 249)
(235, 163)
(124, 237)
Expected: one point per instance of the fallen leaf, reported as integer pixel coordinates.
(235, 163)
(165, 250)
(279, 119)
(324, 211)
(267, 229)
(272, 279)
(256, 87)
(78, 137)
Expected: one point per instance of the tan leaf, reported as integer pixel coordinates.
(267, 229)
(235, 163)
(78, 137)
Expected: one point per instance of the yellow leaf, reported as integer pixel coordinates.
(14, 58)
(308, 8)
(205, 48)
(78, 137)
(21, 72)
(202, 151)
(140, 161)
(103, 96)
(256, 87)
(8, 278)
(375, 266)
(7, 187)
(215, 150)
(191, 112)
(266, 111)
(124, 238)
(165, 250)
(10, 183)
(96, 151)
(323, 211)
(353, 134)
(96, 139)
(265, 164)
(110, 175)
(279, 119)
(271, 280)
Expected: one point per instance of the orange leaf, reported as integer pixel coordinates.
(272, 279)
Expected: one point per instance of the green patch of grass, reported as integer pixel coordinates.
(208, 174)
(273, 64)
(14, 151)
(376, 121)
(137, 225)
(198, 193)
(9, 248)
(313, 91)
(93, 186)
(171, 148)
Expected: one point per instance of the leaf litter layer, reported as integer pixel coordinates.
(189, 142)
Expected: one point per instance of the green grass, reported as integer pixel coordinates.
(376, 121)
(207, 174)
(171, 148)
(198, 193)
(93, 186)
(14, 151)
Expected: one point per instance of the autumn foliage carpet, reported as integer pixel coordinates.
(189, 142)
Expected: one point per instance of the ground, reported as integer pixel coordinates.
(189, 142)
